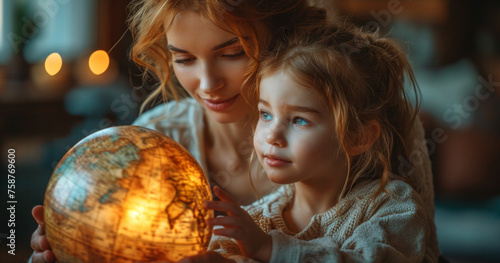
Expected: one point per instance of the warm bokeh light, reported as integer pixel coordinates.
(53, 64)
(99, 62)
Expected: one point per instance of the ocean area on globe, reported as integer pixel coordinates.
(127, 194)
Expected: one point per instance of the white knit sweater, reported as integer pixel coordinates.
(393, 227)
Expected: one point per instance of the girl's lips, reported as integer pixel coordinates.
(220, 105)
(275, 161)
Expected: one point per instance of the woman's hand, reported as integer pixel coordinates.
(39, 241)
(238, 224)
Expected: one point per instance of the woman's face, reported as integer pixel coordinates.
(210, 64)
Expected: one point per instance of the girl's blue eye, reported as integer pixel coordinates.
(265, 116)
(300, 122)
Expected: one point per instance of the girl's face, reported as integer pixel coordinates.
(295, 135)
(210, 64)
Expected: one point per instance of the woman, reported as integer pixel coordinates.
(213, 48)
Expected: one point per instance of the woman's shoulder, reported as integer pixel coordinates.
(170, 112)
(176, 119)
(182, 121)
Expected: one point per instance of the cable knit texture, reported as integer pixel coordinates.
(393, 227)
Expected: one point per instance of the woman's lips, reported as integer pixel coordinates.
(220, 105)
(275, 161)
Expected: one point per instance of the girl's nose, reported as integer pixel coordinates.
(210, 80)
(276, 136)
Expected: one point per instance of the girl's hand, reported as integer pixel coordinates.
(238, 224)
(39, 241)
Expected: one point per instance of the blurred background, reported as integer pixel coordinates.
(65, 73)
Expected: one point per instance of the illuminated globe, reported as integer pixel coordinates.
(126, 194)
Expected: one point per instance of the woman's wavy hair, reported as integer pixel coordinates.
(362, 78)
(253, 22)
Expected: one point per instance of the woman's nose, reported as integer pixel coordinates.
(210, 80)
(276, 135)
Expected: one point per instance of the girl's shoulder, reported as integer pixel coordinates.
(395, 189)
(396, 196)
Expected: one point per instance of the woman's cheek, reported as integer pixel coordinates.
(185, 78)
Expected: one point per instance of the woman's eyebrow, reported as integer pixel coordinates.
(220, 46)
(176, 49)
(226, 44)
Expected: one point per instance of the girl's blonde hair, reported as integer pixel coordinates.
(361, 77)
(253, 22)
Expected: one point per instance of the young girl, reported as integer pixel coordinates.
(333, 120)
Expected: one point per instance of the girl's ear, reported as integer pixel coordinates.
(365, 138)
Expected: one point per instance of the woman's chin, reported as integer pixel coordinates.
(227, 117)
(237, 112)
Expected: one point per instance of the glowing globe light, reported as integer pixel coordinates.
(53, 64)
(126, 194)
(99, 62)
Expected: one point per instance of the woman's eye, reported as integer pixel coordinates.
(184, 61)
(301, 122)
(265, 116)
(235, 55)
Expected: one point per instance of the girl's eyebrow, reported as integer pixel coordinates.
(294, 108)
(220, 46)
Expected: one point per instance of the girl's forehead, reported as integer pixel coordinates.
(289, 76)
(281, 86)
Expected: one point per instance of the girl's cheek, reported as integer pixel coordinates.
(258, 138)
